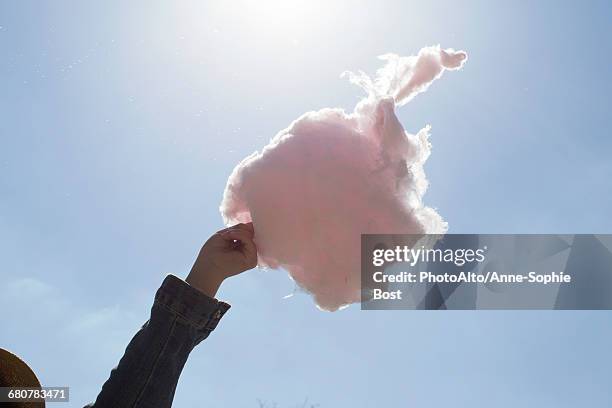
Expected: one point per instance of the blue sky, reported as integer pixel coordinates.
(119, 124)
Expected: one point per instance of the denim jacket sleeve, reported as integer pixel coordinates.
(148, 372)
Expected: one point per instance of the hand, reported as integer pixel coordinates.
(227, 253)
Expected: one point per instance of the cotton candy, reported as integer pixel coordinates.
(331, 176)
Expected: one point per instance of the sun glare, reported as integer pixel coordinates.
(288, 17)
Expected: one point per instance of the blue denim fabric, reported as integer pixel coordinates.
(181, 317)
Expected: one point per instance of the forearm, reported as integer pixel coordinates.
(181, 317)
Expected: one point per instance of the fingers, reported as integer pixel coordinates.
(240, 235)
(247, 246)
(247, 227)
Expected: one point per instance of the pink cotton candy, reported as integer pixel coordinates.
(331, 176)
